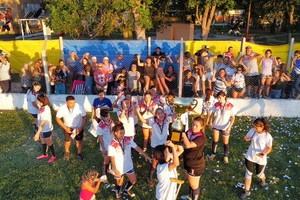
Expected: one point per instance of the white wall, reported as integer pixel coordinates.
(245, 107)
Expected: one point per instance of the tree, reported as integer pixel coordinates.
(100, 18)
(205, 12)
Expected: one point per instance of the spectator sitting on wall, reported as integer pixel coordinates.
(157, 52)
(171, 79)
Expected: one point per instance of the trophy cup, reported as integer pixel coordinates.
(175, 131)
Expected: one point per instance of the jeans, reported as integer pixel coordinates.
(275, 94)
(60, 89)
(89, 85)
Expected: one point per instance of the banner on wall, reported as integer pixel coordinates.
(111, 48)
(28, 51)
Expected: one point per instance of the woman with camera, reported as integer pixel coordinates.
(194, 141)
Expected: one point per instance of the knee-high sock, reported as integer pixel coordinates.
(44, 149)
(226, 149)
(128, 186)
(52, 150)
(214, 147)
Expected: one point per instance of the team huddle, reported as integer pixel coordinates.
(156, 114)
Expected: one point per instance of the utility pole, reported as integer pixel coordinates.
(248, 20)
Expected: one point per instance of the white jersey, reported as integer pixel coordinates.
(31, 98)
(222, 114)
(207, 105)
(105, 129)
(122, 153)
(45, 115)
(128, 124)
(259, 142)
(165, 189)
(160, 132)
(72, 117)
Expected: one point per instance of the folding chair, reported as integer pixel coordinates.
(78, 87)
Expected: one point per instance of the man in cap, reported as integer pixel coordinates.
(252, 78)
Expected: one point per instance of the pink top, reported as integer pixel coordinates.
(267, 65)
(85, 194)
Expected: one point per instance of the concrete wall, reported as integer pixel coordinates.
(245, 107)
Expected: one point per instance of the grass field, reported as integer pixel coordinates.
(23, 177)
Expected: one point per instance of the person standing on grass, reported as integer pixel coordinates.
(261, 145)
(45, 128)
(160, 131)
(167, 156)
(32, 105)
(194, 141)
(72, 118)
(104, 132)
(90, 184)
(119, 152)
(221, 121)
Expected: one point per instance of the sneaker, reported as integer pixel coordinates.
(185, 197)
(67, 156)
(42, 157)
(52, 159)
(212, 156)
(245, 194)
(263, 183)
(80, 156)
(128, 193)
(226, 161)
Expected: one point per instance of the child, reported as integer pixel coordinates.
(121, 87)
(160, 131)
(105, 137)
(261, 145)
(90, 184)
(45, 128)
(119, 152)
(167, 158)
(208, 103)
(59, 81)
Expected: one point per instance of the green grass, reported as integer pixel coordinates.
(23, 177)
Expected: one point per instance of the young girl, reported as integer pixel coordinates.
(222, 119)
(261, 145)
(278, 84)
(90, 184)
(121, 87)
(32, 105)
(105, 137)
(149, 71)
(88, 75)
(147, 108)
(127, 116)
(194, 141)
(25, 76)
(167, 158)
(119, 152)
(134, 85)
(208, 102)
(160, 131)
(238, 81)
(161, 63)
(45, 128)
(267, 63)
(59, 81)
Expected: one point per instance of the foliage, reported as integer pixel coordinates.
(98, 18)
(24, 177)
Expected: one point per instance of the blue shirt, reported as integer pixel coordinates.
(104, 102)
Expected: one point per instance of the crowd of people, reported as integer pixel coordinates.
(237, 77)
(156, 115)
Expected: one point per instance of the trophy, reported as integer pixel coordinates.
(175, 131)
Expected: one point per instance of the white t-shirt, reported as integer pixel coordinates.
(160, 132)
(72, 118)
(222, 114)
(122, 153)
(207, 106)
(165, 189)
(105, 129)
(259, 142)
(30, 99)
(239, 80)
(5, 71)
(146, 112)
(128, 124)
(45, 115)
(252, 65)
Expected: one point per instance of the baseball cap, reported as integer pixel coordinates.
(248, 47)
(206, 47)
